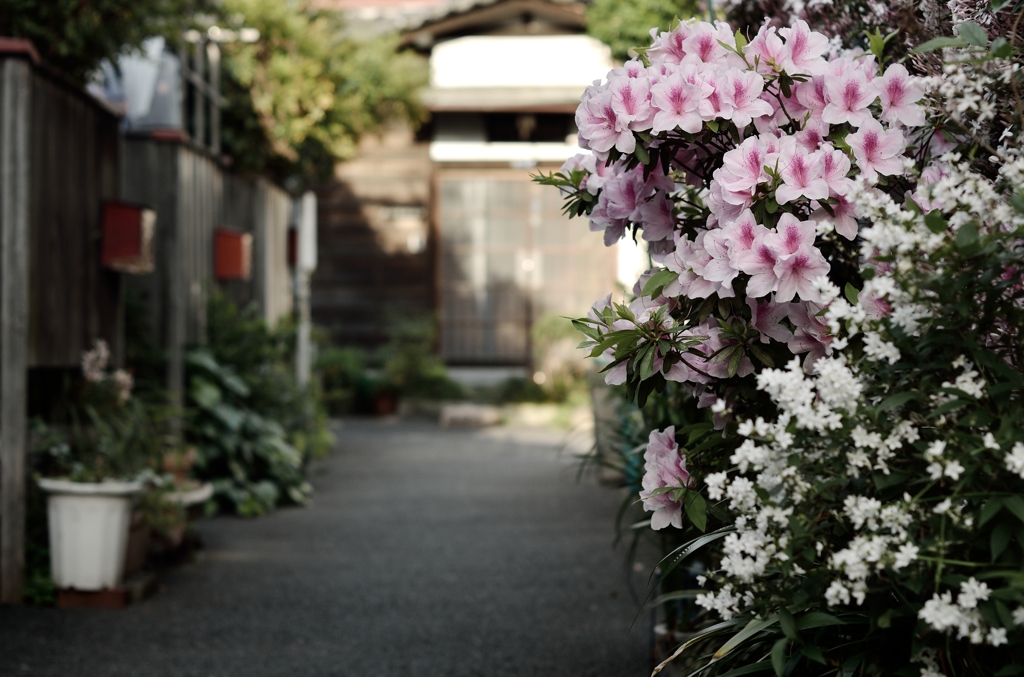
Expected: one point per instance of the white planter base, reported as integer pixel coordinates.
(88, 531)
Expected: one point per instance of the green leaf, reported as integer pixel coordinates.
(898, 399)
(734, 361)
(999, 539)
(763, 666)
(1015, 504)
(647, 362)
(967, 236)
(938, 43)
(741, 41)
(936, 222)
(697, 510)
(204, 393)
(779, 656)
(817, 619)
(814, 653)
(752, 628)
(852, 294)
(999, 5)
(788, 624)
(1000, 48)
(1010, 670)
(990, 509)
(973, 33)
(641, 154)
(712, 125)
(658, 282)
(762, 356)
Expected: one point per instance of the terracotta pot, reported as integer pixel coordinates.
(180, 464)
(385, 404)
(138, 545)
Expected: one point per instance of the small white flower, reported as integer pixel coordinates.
(996, 636)
(1018, 615)
(990, 441)
(837, 594)
(1015, 459)
(943, 508)
(954, 470)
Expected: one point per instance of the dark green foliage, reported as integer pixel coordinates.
(411, 363)
(626, 24)
(253, 426)
(75, 36)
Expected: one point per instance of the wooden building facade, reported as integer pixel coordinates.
(448, 222)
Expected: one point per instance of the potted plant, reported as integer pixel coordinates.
(96, 462)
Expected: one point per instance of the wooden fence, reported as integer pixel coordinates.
(62, 155)
(59, 161)
(193, 196)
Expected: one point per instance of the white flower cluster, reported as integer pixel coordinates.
(815, 404)
(945, 615)
(884, 542)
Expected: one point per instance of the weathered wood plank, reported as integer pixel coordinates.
(15, 102)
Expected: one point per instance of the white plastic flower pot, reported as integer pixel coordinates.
(89, 525)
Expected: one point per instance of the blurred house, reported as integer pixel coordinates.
(447, 221)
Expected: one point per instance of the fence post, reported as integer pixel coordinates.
(15, 102)
(305, 264)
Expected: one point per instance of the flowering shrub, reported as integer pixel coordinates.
(840, 259)
(102, 432)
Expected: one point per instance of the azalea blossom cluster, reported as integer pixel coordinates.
(94, 370)
(735, 160)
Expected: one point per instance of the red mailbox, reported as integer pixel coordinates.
(128, 232)
(232, 254)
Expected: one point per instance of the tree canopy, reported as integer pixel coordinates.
(625, 24)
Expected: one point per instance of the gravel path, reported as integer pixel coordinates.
(427, 552)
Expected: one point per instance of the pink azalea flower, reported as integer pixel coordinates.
(759, 263)
(630, 101)
(676, 102)
(848, 99)
(811, 335)
(811, 137)
(716, 104)
(623, 195)
(664, 466)
(845, 217)
(741, 233)
(766, 49)
(600, 128)
(804, 50)
(616, 376)
(791, 234)
(657, 217)
(743, 168)
(742, 91)
(720, 268)
(877, 151)
(766, 317)
(899, 94)
(802, 176)
(836, 166)
(631, 69)
(797, 272)
(614, 229)
(813, 96)
(668, 47)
